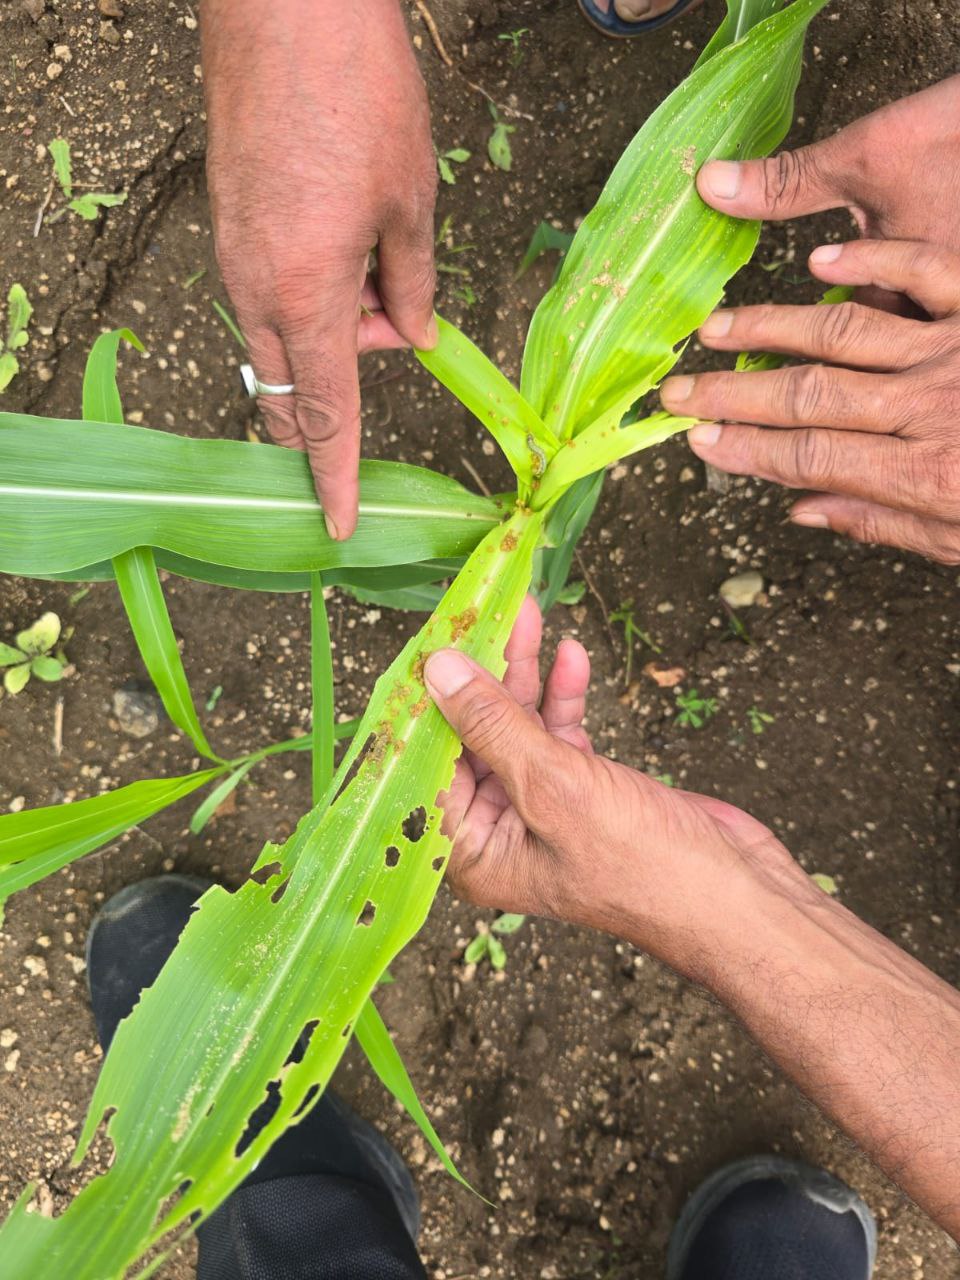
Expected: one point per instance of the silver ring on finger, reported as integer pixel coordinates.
(254, 387)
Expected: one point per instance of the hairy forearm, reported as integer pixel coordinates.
(862, 1028)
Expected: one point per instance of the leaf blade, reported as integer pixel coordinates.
(73, 494)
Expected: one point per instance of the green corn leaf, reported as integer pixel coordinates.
(74, 493)
(41, 636)
(47, 668)
(15, 680)
(742, 17)
(36, 842)
(357, 880)
(374, 1039)
(146, 609)
(101, 395)
(19, 312)
(375, 582)
(565, 525)
(493, 399)
(602, 444)
(651, 260)
(419, 599)
(59, 150)
(321, 684)
(135, 570)
(205, 811)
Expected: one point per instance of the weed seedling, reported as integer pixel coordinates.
(758, 719)
(631, 633)
(19, 312)
(514, 38)
(465, 294)
(694, 710)
(487, 943)
(498, 145)
(34, 654)
(446, 161)
(230, 323)
(87, 205)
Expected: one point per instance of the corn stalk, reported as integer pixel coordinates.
(296, 952)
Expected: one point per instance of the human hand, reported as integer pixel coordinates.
(873, 430)
(319, 150)
(897, 170)
(542, 825)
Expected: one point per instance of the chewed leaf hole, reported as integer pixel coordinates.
(392, 856)
(280, 890)
(346, 1030)
(265, 873)
(437, 863)
(415, 824)
(366, 916)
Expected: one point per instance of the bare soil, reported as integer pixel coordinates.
(586, 1089)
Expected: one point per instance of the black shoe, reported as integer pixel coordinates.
(128, 944)
(767, 1218)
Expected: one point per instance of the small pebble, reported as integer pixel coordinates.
(741, 591)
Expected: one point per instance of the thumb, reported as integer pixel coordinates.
(491, 723)
(787, 185)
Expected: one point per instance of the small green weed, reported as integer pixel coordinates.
(465, 294)
(695, 711)
(19, 312)
(230, 323)
(759, 719)
(447, 159)
(514, 38)
(498, 145)
(487, 944)
(34, 654)
(87, 205)
(631, 633)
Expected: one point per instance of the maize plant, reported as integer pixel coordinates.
(294, 954)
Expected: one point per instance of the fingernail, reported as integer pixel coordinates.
(723, 178)
(718, 325)
(705, 434)
(331, 527)
(811, 519)
(446, 672)
(433, 332)
(826, 253)
(676, 390)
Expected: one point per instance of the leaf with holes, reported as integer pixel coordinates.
(340, 898)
